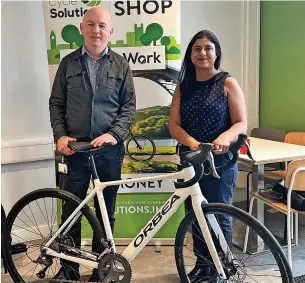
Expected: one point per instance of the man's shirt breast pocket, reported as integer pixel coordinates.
(114, 81)
(75, 80)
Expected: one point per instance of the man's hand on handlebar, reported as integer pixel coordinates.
(62, 145)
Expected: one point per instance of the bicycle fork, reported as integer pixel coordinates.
(197, 201)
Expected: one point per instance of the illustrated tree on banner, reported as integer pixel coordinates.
(153, 33)
(71, 34)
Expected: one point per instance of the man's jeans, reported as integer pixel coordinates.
(108, 165)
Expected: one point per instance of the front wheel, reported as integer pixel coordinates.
(140, 148)
(264, 261)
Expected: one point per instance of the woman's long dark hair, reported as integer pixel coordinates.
(187, 75)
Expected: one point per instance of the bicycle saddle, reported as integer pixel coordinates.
(85, 146)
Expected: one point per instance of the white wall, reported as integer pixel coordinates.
(27, 145)
(25, 81)
(236, 24)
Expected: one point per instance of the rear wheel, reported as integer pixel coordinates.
(269, 266)
(33, 220)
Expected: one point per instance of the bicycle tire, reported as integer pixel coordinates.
(34, 196)
(242, 216)
(134, 156)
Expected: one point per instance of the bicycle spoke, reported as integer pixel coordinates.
(25, 265)
(27, 230)
(29, 271)
(42, 213)
(36, 226)
(26, 254)
(32, 274)
(47, 216)
(35, 220)
(35, 232)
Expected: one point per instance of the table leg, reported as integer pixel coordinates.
(258, 184)
(255, 243)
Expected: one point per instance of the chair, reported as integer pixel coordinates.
(267, 134)
(297, 138)
(294, 180)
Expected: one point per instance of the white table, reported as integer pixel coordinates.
(264, 152)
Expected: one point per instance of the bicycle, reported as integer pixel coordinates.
(229, 263)
(140, 147)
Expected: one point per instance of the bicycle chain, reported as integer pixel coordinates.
(73, 281)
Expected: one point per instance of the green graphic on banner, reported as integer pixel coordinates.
(152, 34)
(92, 3)
(71, 35)
(149, 167)
(133, 211)
(152, 121)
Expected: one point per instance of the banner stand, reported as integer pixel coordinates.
(147, 35)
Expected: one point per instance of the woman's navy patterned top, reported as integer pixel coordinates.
(204, 111)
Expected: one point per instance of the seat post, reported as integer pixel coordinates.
(93, 167)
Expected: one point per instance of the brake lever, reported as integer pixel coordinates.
(212, 164)
(248, 151)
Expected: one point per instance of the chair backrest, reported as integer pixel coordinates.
(295, 138)
(268, 134)
(299, 181)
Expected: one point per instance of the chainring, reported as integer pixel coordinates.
(114, 268)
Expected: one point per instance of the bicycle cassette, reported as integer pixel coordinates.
(114, 268)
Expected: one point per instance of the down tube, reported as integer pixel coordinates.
(155, 224)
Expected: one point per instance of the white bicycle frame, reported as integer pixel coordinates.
(153, 226)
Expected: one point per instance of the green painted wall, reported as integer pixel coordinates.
(282, 70)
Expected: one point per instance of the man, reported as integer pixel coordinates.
(93, 99)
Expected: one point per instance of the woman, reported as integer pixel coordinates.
(208, 106)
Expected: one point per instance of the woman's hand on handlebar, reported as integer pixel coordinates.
(193, 144)
(105, 138)
(222, 143)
